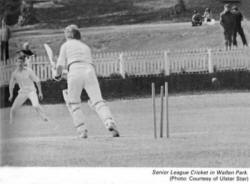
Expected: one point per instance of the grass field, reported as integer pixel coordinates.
(155, 36)
(206, 130)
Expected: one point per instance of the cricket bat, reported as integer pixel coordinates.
(52, 63)
(50, 55)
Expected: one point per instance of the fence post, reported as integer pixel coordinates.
(121, 65)
(166, 63)
(247, 55)
(210, 61)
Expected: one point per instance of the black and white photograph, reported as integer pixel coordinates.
(125, 85)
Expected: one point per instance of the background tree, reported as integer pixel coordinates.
(11, 10)
(27, 13)
(180, 6)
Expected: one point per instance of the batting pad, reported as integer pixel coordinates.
(65, 96)
(103, 111)
(90, 104)
(74, 109)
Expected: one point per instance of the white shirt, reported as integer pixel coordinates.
(25, 79)
(74, 50)
(5, 33)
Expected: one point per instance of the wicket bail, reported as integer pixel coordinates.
(161, 110)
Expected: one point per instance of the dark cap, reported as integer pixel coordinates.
(22, 57)
(234, 7)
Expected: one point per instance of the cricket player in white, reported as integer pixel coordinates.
(76, 55)
(25, 78)
(28, 54)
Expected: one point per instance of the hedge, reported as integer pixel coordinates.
(134, 86)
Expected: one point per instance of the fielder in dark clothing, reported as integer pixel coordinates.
(196, 19)
(238, 28)
(228, 24)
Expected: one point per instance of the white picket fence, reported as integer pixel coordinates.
(139, 63)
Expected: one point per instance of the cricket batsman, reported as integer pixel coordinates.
(25, 78)
(76, 55)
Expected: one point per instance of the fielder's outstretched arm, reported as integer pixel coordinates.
(35, 79)
(11, 86)
(40, 93)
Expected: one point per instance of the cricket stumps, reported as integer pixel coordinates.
(163, 100)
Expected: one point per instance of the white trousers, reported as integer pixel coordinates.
(23, 96)
(82, 76)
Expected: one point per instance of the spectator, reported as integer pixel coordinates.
(238, 28)
(207, 16)
(196, 19)
(5, 36)
(228, 23)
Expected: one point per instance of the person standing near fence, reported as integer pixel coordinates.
(25, 79)
(228, 24)
(5, 36)
(207, 16)
(196, 19)
(238, 28)
(76, 55)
